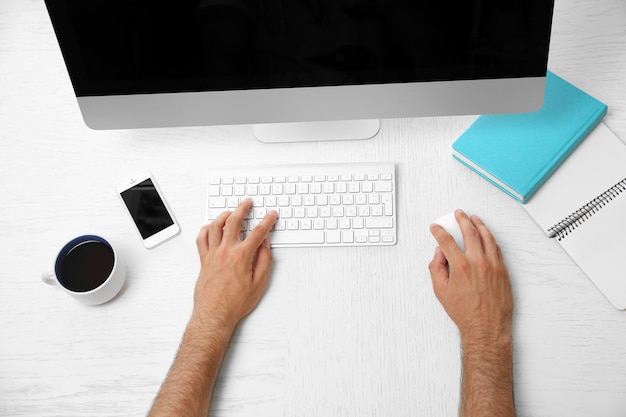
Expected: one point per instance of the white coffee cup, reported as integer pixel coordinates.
(89, 269)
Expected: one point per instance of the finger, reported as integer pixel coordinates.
(232, 228)
(259, 233)
(202, 241)
(487, 240)
(471, 238)
(216, 229)
(439, 274)
(446, 242)
(263, 264)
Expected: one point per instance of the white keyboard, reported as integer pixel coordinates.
(348, 204)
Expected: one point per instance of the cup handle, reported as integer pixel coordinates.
(49, 278)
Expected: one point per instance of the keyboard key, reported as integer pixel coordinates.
(252, 190)
(315, 188)
(387, 201)
(333, 236)
(383, 186)
(227, 190)
(277, 189)
(286, 213)
(378, 223)
(271, 201)
(217, 202)
(280, 225)
(299, 212)
(239, 190)
(232, 202)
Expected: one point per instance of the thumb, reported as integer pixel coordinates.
(439, 274)
(261, 268)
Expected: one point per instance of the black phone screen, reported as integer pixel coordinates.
(147, 208)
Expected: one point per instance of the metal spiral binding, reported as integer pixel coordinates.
(571, 222)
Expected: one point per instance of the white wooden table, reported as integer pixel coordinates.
(340, 332)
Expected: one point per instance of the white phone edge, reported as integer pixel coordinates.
(165, 234)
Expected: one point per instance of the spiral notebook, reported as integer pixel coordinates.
(583, 206)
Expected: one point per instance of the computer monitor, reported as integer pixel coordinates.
(282, 63)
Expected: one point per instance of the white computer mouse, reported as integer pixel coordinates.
(449, 223)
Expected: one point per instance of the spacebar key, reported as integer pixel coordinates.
(296, 237)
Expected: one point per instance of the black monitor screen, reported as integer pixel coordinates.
(160, 46)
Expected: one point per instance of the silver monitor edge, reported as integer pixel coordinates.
(380, 101)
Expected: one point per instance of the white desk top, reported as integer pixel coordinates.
(340, 332)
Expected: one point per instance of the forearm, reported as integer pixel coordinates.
(189, 385)
(487, 378)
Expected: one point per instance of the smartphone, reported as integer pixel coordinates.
(147, 209)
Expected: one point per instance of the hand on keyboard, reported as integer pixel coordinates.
(233, 273)
(318, 205)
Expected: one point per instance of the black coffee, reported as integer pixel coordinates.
(86, 266)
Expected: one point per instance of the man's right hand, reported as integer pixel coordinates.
(473, 286)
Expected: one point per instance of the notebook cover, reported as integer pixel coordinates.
(519, 152)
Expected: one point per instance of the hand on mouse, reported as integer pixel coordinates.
(473, 286)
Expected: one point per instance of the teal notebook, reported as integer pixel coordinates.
(519, 152)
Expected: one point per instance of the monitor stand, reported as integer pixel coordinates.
(316, 131)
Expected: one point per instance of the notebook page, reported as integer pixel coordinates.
(598, 245)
